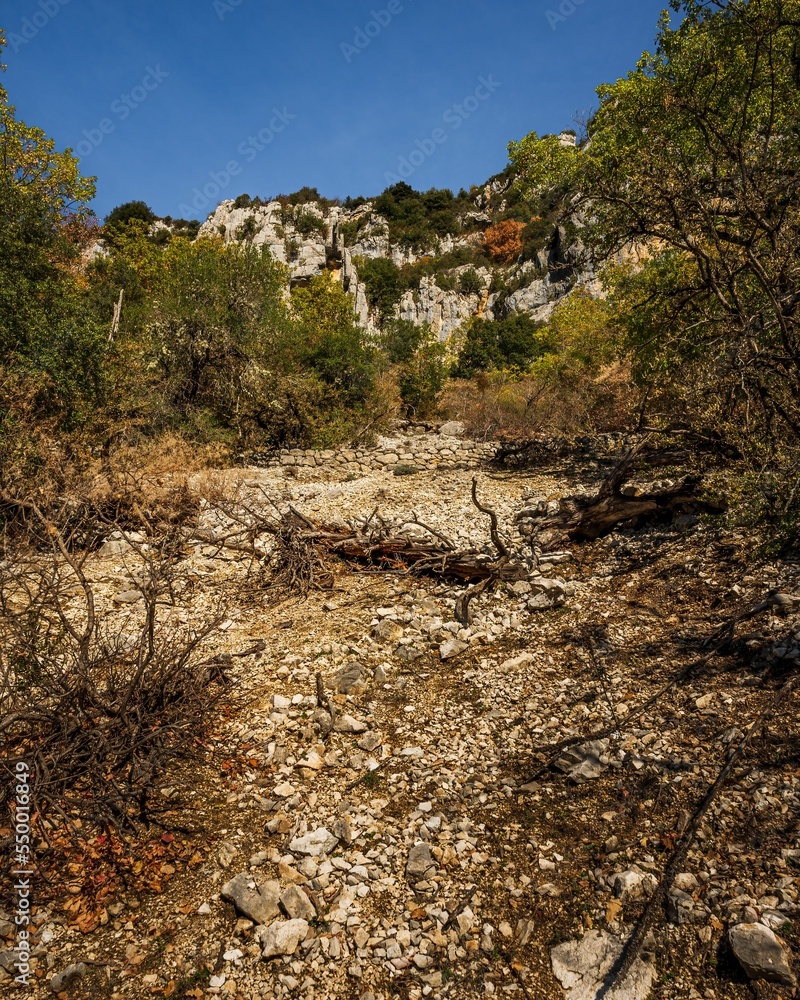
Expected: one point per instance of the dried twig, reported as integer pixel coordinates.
(633, 945)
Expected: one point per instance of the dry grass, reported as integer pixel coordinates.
(504, 406)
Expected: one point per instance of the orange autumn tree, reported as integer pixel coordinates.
(503, 242)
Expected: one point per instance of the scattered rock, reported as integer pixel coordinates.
(69, 977)
(256, 900)
(349, 677)
(282, 938)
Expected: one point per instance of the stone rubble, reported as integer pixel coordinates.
(402, 848)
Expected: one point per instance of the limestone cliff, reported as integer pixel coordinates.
(314, 238)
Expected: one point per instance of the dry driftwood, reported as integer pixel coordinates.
(374, 544)
(589, 518)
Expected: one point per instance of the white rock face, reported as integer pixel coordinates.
(325, 250)
(444, 311)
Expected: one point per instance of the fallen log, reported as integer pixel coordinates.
(588, 518)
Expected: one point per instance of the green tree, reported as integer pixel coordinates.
(119, 217)
(47, 330)
(511, 342)
(384, 283)
(692, 162)
(217, 317)
(329, 342)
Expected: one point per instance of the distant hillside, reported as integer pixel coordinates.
(428, 257)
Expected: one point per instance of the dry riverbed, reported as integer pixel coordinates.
(423, 842)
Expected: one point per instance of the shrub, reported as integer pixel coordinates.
(243, 201)
(512, 342)
(417, 219)
(503, 242)
(329, 342)
(383, 282)
(120, 216)
(217, 310)
(307, 223)
(247, 230)
(419, 361)
(186, 227)
(405, 470)
(447, 282)
(470, 282)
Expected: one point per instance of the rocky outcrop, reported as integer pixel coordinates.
(310, 240)
(445, 311)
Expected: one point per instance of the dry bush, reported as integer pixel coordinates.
(504, 406)
(503, 242)
(101, 709)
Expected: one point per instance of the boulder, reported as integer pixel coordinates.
(420, 863)
(582, 763)
(760, 953)
(582, 965)
(453, 428)
(258, 901)
(452, 647)
(297, 904)
(282, 938)
(314, 844)
(69, 977)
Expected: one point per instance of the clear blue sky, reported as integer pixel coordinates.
(161, 97)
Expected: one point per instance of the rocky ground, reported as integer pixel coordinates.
(415, 843)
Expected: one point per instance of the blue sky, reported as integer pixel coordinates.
(182, 103)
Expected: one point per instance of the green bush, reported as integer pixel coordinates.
(247, 230)
(420, 363)
(120, 216)
(383, 282)
(307, 223)
(470, 282)
(405, 470)
(446, 281)
(416, 219)
(511, 342)
(243, 201)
